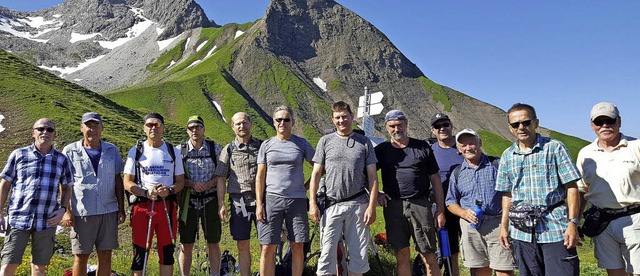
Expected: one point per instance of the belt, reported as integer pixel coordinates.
(621, 212)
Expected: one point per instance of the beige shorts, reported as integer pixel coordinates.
(619, 245)
(42, 243)
(100, 231)
(481, 247)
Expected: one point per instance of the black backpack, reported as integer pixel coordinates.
(212, 152)
(132, 199)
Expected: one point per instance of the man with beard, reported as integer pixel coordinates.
(409, 172)
(346, 156)
(35, 175)
(97, 203)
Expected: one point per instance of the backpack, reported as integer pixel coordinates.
(495, 161)
(212, 152)
(139, 149)
(227, 264)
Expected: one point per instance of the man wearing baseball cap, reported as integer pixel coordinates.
(97, 201)
(448, 157)
(409, 172)
(611, 183)
(199, 199)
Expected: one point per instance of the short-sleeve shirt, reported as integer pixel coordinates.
(611, 179)
(284, 160)
(406, 171)
(200, 164)
(447, 158)
(473, 184)
(536, 178)
(239, 164)
(35, 182)
(156, 165)
(345, 160)
(94, 192)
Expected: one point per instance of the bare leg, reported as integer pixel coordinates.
(214, 257)
(166, 270)
(504, 272)
(244, 256)
(481, 271)
(9, 269)
(80, 264)
(38, 270)
(617, 272)
(104, 263)
(297, 258)
(404, 261)
(185, 259)
(267, 257)
(430, 263)
(455, 268)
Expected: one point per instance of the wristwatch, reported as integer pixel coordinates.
(575, 221)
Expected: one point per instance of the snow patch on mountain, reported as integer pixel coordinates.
(194, 63)
(1, 127)
(219, 108)
(132, 33)
(68, 70)
(163, 44)
(238, 34)
(75, 37)
(320, 83)
(43, 26)
(211, 51)
(201, 46)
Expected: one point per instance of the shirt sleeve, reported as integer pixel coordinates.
(583, 186)
(309, 152)
(179, 168)
(567, 171)
(9, 172)
(129, 165)
(119, 163)
(503, 183)
(319, 156)
(432, 164)
(223, 162)
(67, 175)
(262, 153)
(371, 153)
(453, 193)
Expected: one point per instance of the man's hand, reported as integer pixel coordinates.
(121, 217)
(67, 219)
(382, 199)
(314, 212)
(504, 237)
(440, 219)
(571, 236)
(260, 214)
(200, 186)
(370, 215)
(470, 216)
(222, 212)
(3, 227)
(55, 217)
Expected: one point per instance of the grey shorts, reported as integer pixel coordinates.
(243, 214)
(619, 245)
(42, 243)
(100, 231)
(294, 213)
(410, 218)
(481, 247)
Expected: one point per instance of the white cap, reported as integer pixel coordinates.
(604, 109)
(466, 131)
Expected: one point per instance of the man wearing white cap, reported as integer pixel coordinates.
(473, 184)
(97, 201)
(611, 183)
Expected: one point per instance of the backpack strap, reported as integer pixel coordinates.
(495, 161)
(212, 151)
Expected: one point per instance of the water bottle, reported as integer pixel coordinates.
(478, 210)
(445, 250)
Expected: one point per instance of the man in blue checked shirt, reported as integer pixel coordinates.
(35, 174)
(473, 182)
(538, 181)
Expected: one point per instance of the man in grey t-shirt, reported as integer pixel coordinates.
(281, 193)
(344, 155)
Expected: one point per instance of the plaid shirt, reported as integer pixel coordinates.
(536, 178)
(201, 169)
(35, 181)
(239, 163)
(476, 184)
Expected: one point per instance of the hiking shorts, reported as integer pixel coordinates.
(294, 213)
(242, 216)
(100, 231)
(159, 227)
(410, 218)
(16, 240)
(481, 247)
(209, 221)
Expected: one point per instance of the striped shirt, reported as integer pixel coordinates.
(35, 180)
(239, 164)
(473, 184)
(536, 178)
(200, 166)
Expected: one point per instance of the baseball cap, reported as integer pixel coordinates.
(439, 116)
(604, 109)
(395, 115)
(466, 131)
(91, 116)
(195, 119)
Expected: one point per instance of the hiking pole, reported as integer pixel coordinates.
(375, 253)
(164, 204)
(148, 248)
(345, 256)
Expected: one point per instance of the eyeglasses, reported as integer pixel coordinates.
(152, 125)
(439, 126)
(280, 120)
(601, 122)
(42, 129)
(194, 128)
(525, 123)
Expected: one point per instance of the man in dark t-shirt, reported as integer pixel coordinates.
(409, 172)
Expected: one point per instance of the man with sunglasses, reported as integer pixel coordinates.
(448, 157)
(97, 203)
(611, 183)
(409, 173)
(281, 193)
(239, 164)
(35, 174)
(154, 176)
(540, 196)
(199, 200)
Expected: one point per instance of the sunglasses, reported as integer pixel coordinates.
(152, 125)
(280, 120)
(194, 128)
(439, 126)
(42, 129)
(525, 123)
(601, 122)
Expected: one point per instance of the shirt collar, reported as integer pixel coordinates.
(624, 142)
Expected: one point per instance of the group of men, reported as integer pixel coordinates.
(531, 198)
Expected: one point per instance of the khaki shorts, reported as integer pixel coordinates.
(41, 246)
(481, 247)
(100, 231)
(619, 245)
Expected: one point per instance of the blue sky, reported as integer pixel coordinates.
(562, 57)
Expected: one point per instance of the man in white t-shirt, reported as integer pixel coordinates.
(152, 173)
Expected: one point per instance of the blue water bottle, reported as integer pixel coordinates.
(478, 210)
(445, 250)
